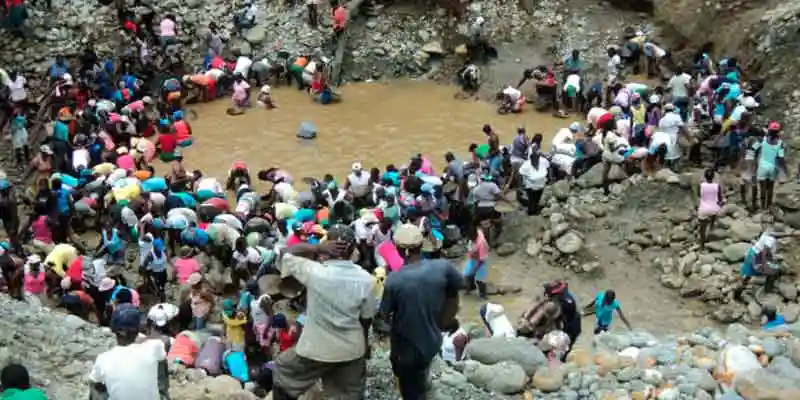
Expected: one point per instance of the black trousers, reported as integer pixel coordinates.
(534, 197)
(411, 370)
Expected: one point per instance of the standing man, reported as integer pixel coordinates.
(341, 305)
(604, 305)
(419, 300)
(313, 12)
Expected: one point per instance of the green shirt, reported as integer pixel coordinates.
(28, 394)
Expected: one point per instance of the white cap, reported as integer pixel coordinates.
(34, 259)
(750, 102)
(67, 78)
(480, 20)
(654, 99)
(265, 89)
(357, 166)
(92, 102)
(147, 100)
(46, 149)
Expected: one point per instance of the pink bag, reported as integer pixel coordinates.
(389, 252)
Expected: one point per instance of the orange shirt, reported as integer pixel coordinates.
(142, 174)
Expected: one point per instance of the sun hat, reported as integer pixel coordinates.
(106, 284)
(34, 259)
(408, 236)
(46, 149)
(126, 318)
(194, 278)
(357, 166)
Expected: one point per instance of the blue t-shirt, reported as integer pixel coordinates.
(194, 237)
(187, 199)
(57, 71)
(604, 312)
(393, 176)
(61, 131)
(154, 184)
(63, 201)
(305, 215)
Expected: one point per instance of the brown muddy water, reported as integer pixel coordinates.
(377, 124)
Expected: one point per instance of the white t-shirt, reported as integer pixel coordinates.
(80, 158)
(564, 135)
(534, 178)
(613, 65)
(670, 123)
(658, 52)
(678, 85)
(658, 138)
(285, 191)
(17, 88)
(243, 65)
(259, 316)
(574, 81)
(512, 93)
(130, 372)
(359, 185)
(250, 255)
(211, 184)
(215, 73)
(563, 161)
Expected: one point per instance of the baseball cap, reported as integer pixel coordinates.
(774, 126)
(126, 318)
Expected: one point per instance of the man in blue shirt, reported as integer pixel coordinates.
(58, 68)
(605, 303)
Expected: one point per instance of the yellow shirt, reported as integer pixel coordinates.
(638, 115)
(234, 329)
(62, 255)
(104, 169)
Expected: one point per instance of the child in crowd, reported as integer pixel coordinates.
(235, 321)
(285, 332)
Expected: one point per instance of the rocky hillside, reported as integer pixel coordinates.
(59, 350)
(763, 34)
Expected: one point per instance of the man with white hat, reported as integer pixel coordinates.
(417, 299)
(672, 124)
(357, 184)
(740, 112)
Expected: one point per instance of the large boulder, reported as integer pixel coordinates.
(569, 243)
(495, 350)
(735, 252)
(504, 377)
(744, 230)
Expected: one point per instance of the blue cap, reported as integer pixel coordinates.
(158, 244)
(126, 318)
(177, 115)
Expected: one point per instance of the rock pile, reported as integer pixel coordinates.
(59, 351)
(667, 233)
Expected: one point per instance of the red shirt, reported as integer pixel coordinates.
(339, 17)
(168, 142)
(181, 130)
(75, 271)
(286, 339)
(218, 63)
(316, 85)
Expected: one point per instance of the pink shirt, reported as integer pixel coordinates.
(41, 231)
(125, 161)
(427, 167)
(240, 90)
(293, 240)
(137, 105)
(184, 267)
(34, 284)
(479, 249)
(709, 199)
(167, 27)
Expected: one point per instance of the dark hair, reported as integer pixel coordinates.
(610, 296)
(473, 147)
(709, 174)
(449, 156)
(391, 168)
(487, 128)
(124, 296)
(15, 376)
(55, 184)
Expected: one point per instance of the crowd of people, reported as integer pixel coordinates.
(320, 261)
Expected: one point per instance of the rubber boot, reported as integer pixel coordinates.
(482, 293)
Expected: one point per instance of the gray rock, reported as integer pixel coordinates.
(570, 243)
(548, 380)
(495, 350)
(788, 290)
(744, 230)
(256, 35)
(735, 252)
(504, 377)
